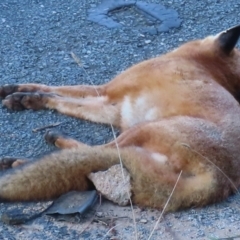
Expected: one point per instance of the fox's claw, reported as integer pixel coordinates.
(20, 101)
(52, 136)
(61, 140)
(8, 89)
(10, 162)
(14, 102)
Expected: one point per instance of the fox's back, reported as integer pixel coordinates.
(181, 83)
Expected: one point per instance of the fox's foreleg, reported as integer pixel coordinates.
(96, 109)
(78, 91)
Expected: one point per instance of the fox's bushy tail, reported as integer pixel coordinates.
(55, 174)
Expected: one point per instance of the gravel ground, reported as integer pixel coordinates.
(37, 37)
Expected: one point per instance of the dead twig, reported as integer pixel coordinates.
(79, 63)
(47, 126)
(228, 238)
(76, 59)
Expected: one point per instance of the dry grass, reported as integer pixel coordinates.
(78, 61)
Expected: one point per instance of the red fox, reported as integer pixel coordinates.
(178, 113)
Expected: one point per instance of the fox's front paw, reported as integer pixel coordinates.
(6, 90)
(20, 101)
(10, 162)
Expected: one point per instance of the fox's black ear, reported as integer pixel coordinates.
(228, 39)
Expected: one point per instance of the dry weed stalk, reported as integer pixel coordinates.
(219, 169)
(165, 206)
(79, 63)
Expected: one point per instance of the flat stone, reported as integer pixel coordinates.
(111, 184)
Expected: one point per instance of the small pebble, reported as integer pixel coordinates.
(143, 220)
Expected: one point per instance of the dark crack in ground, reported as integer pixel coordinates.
(156, 14)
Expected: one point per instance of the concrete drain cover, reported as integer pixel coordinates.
(108, 14)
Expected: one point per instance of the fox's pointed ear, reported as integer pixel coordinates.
(228, 39)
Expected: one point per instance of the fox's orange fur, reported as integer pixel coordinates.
(177, 112)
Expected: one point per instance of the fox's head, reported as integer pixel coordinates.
(218, 56)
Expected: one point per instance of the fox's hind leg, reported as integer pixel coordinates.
(154, 161)
(130, 137)
(62, 141)
(55, 138)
